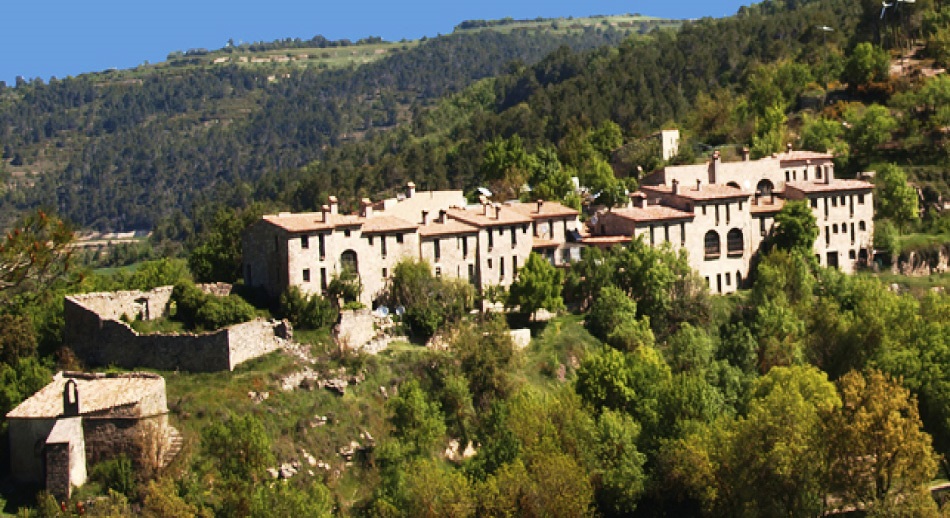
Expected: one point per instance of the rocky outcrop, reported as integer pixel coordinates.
(925, 261)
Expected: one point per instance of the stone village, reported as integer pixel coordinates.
(81, 418)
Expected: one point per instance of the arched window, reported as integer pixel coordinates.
(764, 188)
(734, 243)
(349, 262)
(713, 246)
(733, 184)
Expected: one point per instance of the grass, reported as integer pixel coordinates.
(916, 285)
(562, 341)
(920, 241)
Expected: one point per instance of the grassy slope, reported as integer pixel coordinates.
(196, 400)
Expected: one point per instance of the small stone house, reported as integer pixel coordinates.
(82, 418)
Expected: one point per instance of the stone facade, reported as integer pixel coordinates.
(721, 213)
(82, 418)
(484, 244)
(96, 332)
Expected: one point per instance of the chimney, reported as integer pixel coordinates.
(497, 210)
(334, 205)
(485, 206)
(698, 183)
(829, 171)
(540, 204)
(676, 187)
(366, 208)
(714, 168)
(410, 189)
(425, 217)
(442, 216)
(326, 213)
(745, 154)
(788, 147)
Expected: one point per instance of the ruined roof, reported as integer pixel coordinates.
(704, 193)
(505, 216)
(449, 227)
(650, 213)
(835, 186)
(97, 393)
(549, 209)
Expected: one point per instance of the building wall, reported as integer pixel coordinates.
(457, 255)
(723, 273)
(499, 262)
(264, 263)
(27, 438)
(836, 214)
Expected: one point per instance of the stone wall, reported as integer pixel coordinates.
(143, 441)
(98, 337)
(927, 261)
(65, 457)
(355, 328)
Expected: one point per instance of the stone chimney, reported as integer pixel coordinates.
(442, 217)
(540, 204)
(745, 154)
(366, 208)
(326, 213)
(698, 183)
(334, 205)
(70, 399)
(788, 147)
(425, 217)
(497, 210)
(676, 187)
(637, 199)
(410, 189)
(828, 173)
(485, 206)
(714, 168)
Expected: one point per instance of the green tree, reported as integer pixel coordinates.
(867, 64)
(35, 256)
(621, 465)
(613, 319)
(870, 127)
(217, 254)
(896, 199)
(880, 454)
(823, 135)
(306, 312)
(416, 422)
(240, 447)
(795, 228)
(434, 490)
(538, 286)
(17, 339)
(283, 499)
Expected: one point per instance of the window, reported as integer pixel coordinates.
(844, 201)
(382, 245)
(738, 278)
(788, 176)
(399, 238)
(349, 261)
(862, 226)
(860, 199)
(852, 233)
(834, 228)
(666, 232)
(814, 203)
(514, 237)
(818, 172)
(385, 273)
(306, 275)
(323, 279)
(489, 263)
(704, 210)
(717, 214)
(834, 201)
(491, 242)
(304, 242)
(728, 279)
(734, 243)
(501, 267)
(762, 226)
(465, 246)
(323, 246)
(852, 255)
(514, 265)
(827, 235)
(805, 172)
(652, 241)
(682, 234)
(713, 247)
(566, 255)
(436, 249)
(370, 239)
(826, 208)
(851, 207)
(727, 214)
(438, 271)
(740, 205)
(471, 273)
(346, 232)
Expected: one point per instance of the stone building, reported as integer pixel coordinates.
(720, 212)
(81, 419)
(484, 244)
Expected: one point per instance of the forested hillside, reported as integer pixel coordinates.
(120, 150)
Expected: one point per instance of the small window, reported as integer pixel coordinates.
(827, 236)
(844, 201)
(501, 267)
(399, 238)
(852, 255)
(471, 273)
(728, 279)
(834, 201)
(862, 226)
(304, 242)
(860, 199)
(370, 239)
(306, 275)
(385, 273)
(834, 228)
(712, 247)
(727, 214)
(717, 214)
(323, 279)
(704, 210)
(437, 249)
(818, 172)
(514, 237)
(491, 241)
(814, 203)
(788, 176)
(489, 262)
(382, 244)
(652, 242)
(346, 232)
(682, 234)
(323, 246)
(438, 271)
(738, 278)
(514, 265)
(464, 246)
(666, 232)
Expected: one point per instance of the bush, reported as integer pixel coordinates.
(313, 312)
(116, 474)
(199, 310)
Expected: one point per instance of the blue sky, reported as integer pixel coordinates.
(43, 38)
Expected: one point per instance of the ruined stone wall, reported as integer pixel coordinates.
(146, 305)
(355, 328)
(143, 441)
(57, 470)
(99, 339)
(927, 261)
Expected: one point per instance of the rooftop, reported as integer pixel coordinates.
(704, 193)
(651, 213)
(97, 392)
(449, 227)
(308, 221)
(835, 186)
(497, 215)
(766, 206)
(549, 209)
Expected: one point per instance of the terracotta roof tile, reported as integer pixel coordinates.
(835, 186)
(450, 227)
(705, 192)
(549, 209)
(650, 213)
(384, 223)
(506, 216)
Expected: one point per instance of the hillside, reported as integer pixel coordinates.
(119, 150)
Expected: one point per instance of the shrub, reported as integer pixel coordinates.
(313, 312)
(199, 310)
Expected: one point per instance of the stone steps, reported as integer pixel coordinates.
(175, 443)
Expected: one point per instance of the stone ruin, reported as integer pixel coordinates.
(81, 418)
(97, 331)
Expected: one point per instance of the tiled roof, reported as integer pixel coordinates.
(835, 186)
(96, 393)
(765, 207)
(549, 209)
(307, 221)
(449, 227)
(506, 216)
(650, 213)
(384, 223)
(705, 192)
(801, 156)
